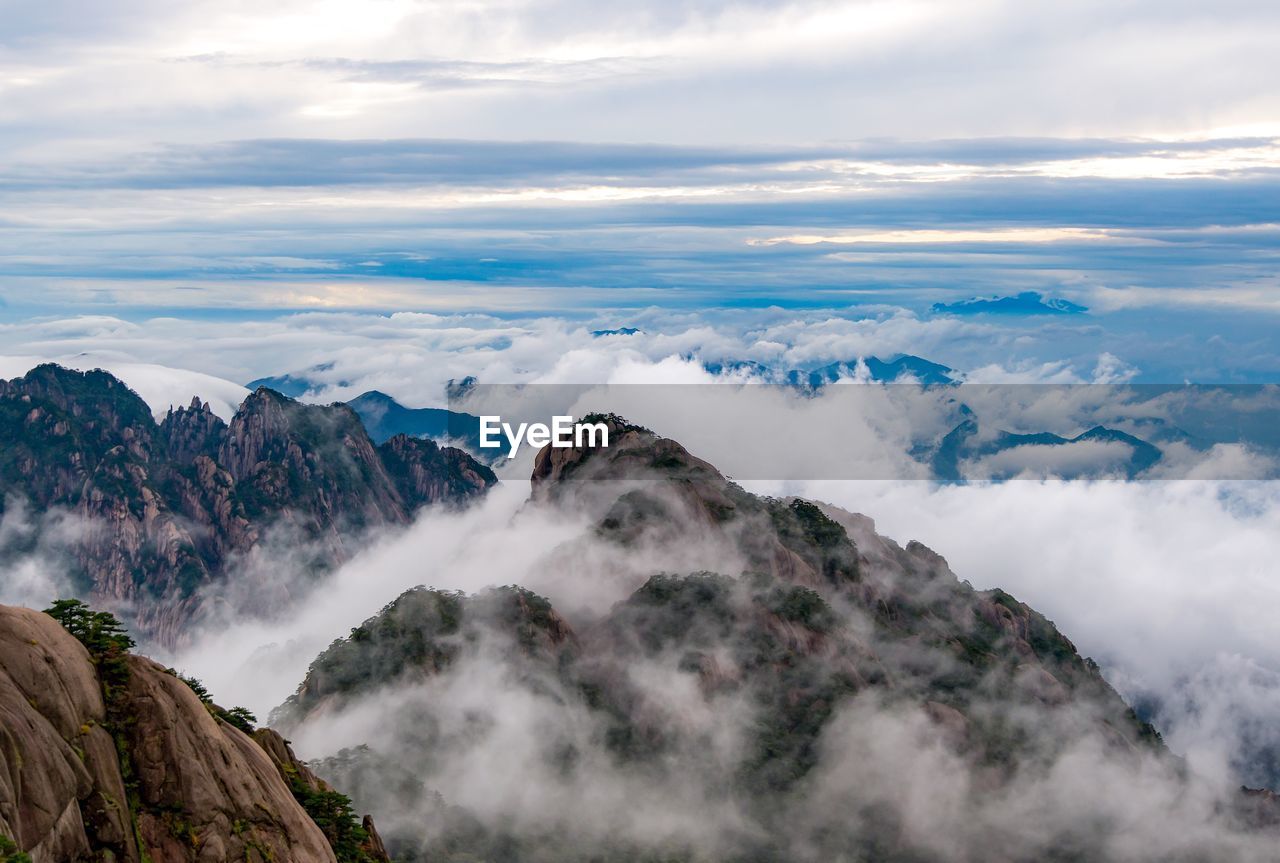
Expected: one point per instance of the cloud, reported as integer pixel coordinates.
(161, 387)
(1166, 584)
(285, 70)
(491, 226)
(411, 356)
(449, 162)
(36, 553)
(289, 162)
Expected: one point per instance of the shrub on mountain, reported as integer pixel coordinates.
(332, 812)
(10, 853)
(240, 717)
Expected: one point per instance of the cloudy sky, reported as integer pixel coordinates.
(517, 157)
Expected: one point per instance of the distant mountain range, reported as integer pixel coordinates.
(1025, 303)
(965, 444)
(900, 369)
(384, 418)
(295, 387)
(991, 456)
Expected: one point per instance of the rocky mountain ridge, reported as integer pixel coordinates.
(162, 509)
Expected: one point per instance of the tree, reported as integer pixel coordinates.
(102, 634)
(11, 853)
(332, 813)
(240, 717)
(99, 631)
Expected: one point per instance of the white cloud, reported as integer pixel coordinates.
(161, 387)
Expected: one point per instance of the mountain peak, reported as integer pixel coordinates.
(810, 619)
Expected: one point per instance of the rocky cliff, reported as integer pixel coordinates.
(828, 695)
(159, 510)
(108, 756)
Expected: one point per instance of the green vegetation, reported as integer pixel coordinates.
(523, 613)
(821, 542)
(801, 605)
(10, 853)
(102, 634)
(194, 685)
(423, 632)
(824, 532)
(99, 631)
(334, 816)
(108, 645)
(414, 631)
(774, 637)
(69, 422)
(240, 717)
(620, 423)
(672, 612)
(630, 514)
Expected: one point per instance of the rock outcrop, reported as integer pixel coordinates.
(148, 772)
(158, 510)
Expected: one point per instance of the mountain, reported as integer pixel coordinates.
(1006, 454)
(906, 367)
(384, 418)
(160, 511)
(298, 385)
(106, 755)
(827, 695)
(1025, 303)
(901, 368)
(288, 385)
(458, 389)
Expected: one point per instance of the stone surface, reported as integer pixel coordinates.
(202, 790)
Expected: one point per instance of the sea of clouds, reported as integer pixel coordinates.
(1170, 585)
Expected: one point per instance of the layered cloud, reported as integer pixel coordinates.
(422, 156)
(658, 71)
(483, 225)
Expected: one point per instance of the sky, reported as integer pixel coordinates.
(237, 160)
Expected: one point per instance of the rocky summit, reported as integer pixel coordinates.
(830, 695)
(152, 513)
